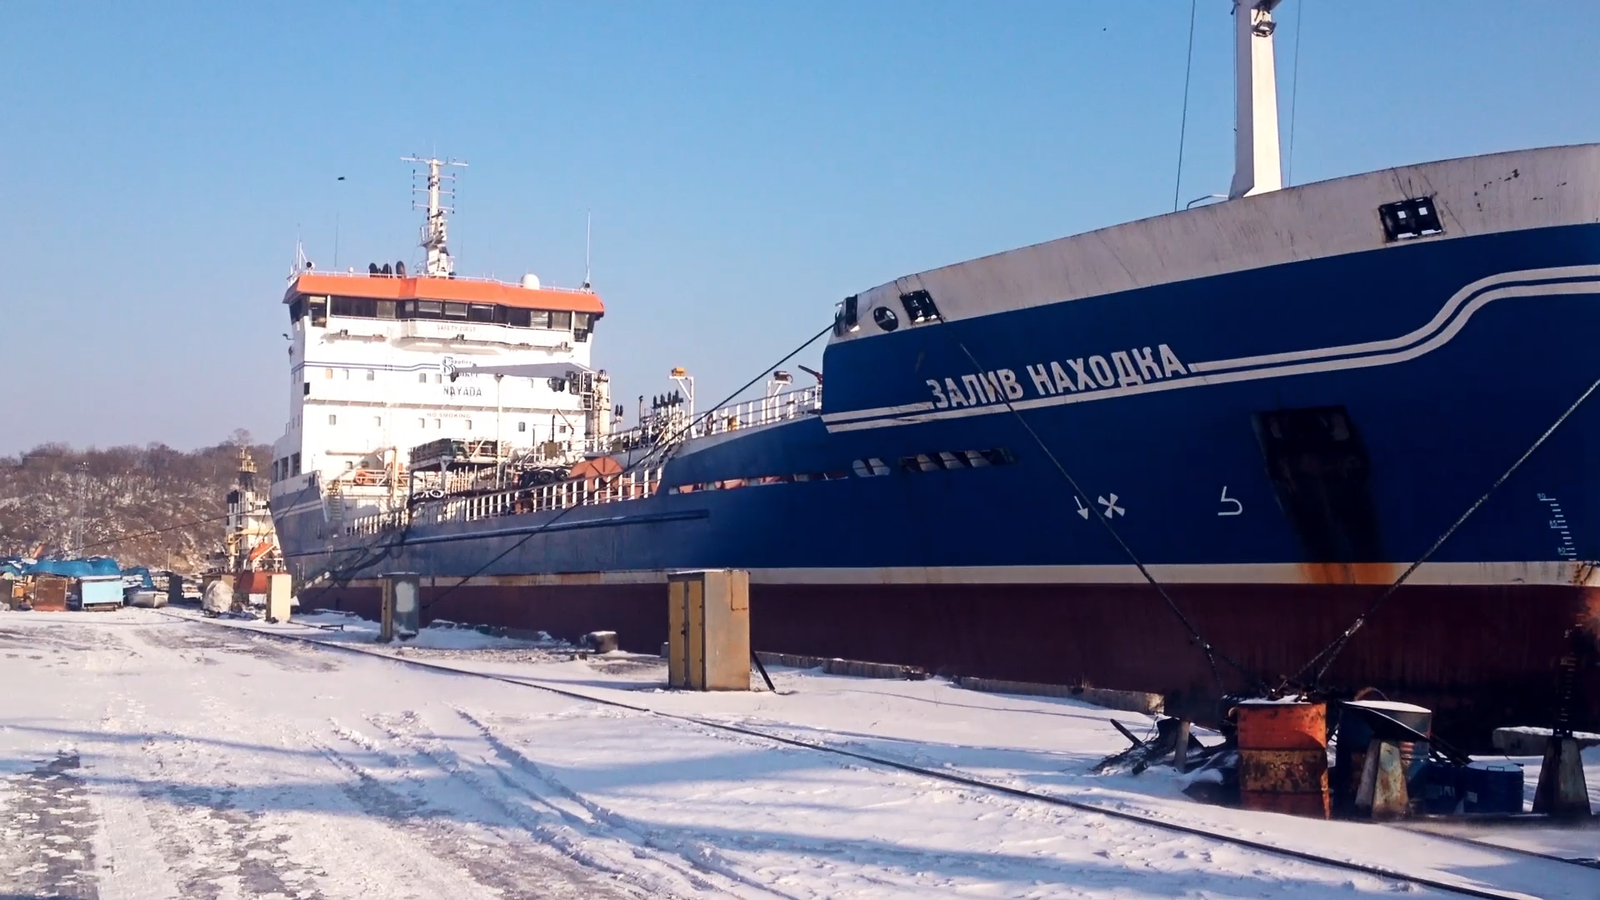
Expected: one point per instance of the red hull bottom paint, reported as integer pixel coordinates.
(1480, 656)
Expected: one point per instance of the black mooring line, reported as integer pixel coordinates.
(967, 781)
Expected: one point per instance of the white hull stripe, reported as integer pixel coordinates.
(1537, 573)
(880, 411)
(1571, 280)
(1472, 292)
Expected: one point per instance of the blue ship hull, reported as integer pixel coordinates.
(1275, 445)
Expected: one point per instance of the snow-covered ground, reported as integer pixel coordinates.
(146, 755)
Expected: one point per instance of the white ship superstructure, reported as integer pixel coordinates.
(387, 387)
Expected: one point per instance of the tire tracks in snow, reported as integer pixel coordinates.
(514, 861)
(383, 841)
(546, 812)
(894, 868)
(589, 814)
(212, 844)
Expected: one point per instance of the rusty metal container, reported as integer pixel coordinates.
(49, 593)
(1283, 757)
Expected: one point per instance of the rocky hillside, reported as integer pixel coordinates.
(124, 493)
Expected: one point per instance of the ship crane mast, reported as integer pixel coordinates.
(1257, 167)
(435, 232)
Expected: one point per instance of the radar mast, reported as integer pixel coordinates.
(435, 232)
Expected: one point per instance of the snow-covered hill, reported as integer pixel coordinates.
(124, 493)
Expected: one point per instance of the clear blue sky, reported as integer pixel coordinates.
(747, 164)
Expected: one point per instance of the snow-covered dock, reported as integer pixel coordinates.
(146, 755)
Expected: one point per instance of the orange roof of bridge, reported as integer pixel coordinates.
(462, 290)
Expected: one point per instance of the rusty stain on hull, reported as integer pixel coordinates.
(1350, 573)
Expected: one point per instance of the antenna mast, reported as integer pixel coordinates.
(588, 250)
(435, 233)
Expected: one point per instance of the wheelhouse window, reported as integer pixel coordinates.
(319, 308)
(354, 307)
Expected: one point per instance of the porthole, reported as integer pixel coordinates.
(885, 318)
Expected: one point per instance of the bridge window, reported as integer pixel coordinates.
(357, 307)
(319, 308)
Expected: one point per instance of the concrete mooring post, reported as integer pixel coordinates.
(1562, 790)
(1383, 793)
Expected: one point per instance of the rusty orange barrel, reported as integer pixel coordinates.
(1283, 756)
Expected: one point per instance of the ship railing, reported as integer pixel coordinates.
(667, 426)
(377, 523)
(560, 495)
(779, 407)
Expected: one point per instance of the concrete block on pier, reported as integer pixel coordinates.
(1527, 740)
(1127, 701)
